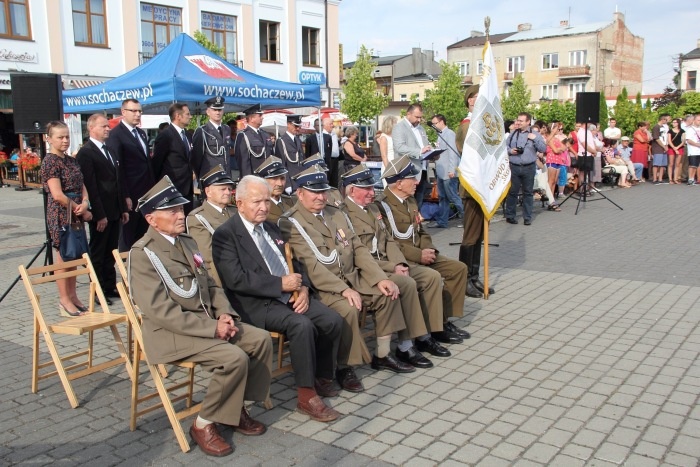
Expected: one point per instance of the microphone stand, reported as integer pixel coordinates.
(439, 133)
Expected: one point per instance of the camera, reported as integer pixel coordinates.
(519, 149)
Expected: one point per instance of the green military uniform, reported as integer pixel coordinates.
(285, 203)
(201, 224)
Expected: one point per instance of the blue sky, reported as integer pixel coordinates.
(393, 27)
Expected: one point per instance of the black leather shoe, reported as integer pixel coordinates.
(527, 222)
(472, 291)
(111, 293)
(432, 346)
(413, 358)
(450, 326)
(480, 287)
(348, 380)
(510, 220)
(108, 300)
(446, 337)
(390, 363)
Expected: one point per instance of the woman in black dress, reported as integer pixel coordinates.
(63, 182)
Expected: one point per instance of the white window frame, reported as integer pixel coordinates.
(311, 45)
(515, 64)
(479, 67)
(575, 87)
(552, 58)
(549, 91)
(464, 68)
(403, 97)
(578, 58)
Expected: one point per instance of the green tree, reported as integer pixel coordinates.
(690, 103)
(517, 99)
(555, 111)
(447, 97)
(360, 100)
(603, 112)
(624, 113)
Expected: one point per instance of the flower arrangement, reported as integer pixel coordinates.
(29, 161)
(4, 160)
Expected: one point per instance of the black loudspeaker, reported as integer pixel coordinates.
(37, 99)
(588, 107)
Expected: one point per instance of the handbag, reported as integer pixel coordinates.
(73, 242)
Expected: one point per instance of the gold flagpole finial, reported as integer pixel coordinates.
(487, 26)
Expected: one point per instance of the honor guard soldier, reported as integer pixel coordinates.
(346, 277)
(211, 141)
(473, 236)
(288, 148)
(214, 211)
(367, 222)
(275, 175)
(402, 217)
(187, 317)
(253, 144)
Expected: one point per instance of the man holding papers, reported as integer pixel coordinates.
(411, 140)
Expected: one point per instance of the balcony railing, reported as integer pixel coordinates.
(144, 57)
(510, 75)
(581, 71)
(467, 81)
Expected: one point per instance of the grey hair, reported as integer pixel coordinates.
(248, 181)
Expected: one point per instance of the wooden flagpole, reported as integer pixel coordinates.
(487, 222)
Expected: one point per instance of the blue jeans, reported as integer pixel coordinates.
(448, 190)
(638, 169)
(520, 176)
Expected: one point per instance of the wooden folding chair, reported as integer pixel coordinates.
(166, 394)
(120, 260)
(85, 324)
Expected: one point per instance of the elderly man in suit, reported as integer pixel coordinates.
(253, 144)
(402, 217)
(211, 141)
(347, 278)
(275, 175)
(214, 211)
(171, 152)
(367, 223)
(288, 147)
(108, 205)
(187, 317)
(410, 140)
(249, 255)
(128, 145)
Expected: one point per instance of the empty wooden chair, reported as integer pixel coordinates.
(79, 364)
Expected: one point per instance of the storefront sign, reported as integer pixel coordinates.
(312, 77)
(24, 57)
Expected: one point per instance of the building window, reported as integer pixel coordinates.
(311, 45)
(159, 25)
(269, 41)
(550, 61)
(221, 30)
(463, 68)
(691, 81)
(14, 19)
(403, 97)
(89, 23)
(550, 91)
(479, 67)
(575, 88)
(577, 58)
(515, 64)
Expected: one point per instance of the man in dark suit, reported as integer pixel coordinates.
(253, 145)
(288, 147)
(128, 144)
(249, 255)
(312, 145)
(211, 141)
(171, 152)
(107, 203)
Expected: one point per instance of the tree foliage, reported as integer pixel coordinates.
(603, 112)
(555, 111)
(628, 113)
(517, 99)
(361, 101)
(447, 97)
(690, 103)
(670, 96)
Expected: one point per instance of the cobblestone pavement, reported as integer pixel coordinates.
(586, 355)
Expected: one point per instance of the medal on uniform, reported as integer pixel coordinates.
(198, 262)
(418, 219)
(341, 237)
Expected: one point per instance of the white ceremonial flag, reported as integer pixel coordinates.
(484, 170)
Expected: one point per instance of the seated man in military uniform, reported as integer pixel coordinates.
(367, 223)
(335, 199)
(275, 174)
(346, 277)
(402, 217)
(187, 317)
(214, 211)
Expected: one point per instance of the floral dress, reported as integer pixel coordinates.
(68, 171)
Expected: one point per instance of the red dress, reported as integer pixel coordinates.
(640, 151)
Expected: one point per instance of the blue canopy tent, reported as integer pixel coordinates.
(186, 72)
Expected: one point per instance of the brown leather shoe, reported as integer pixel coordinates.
(210, 441)
(318, 410)
(249, 427)
(348, 380)
(326, 387)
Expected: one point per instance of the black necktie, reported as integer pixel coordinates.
(109, 157)
(221, 132)
(184, 140)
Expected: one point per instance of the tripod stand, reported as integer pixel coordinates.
(583, 190)
(46, 246)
